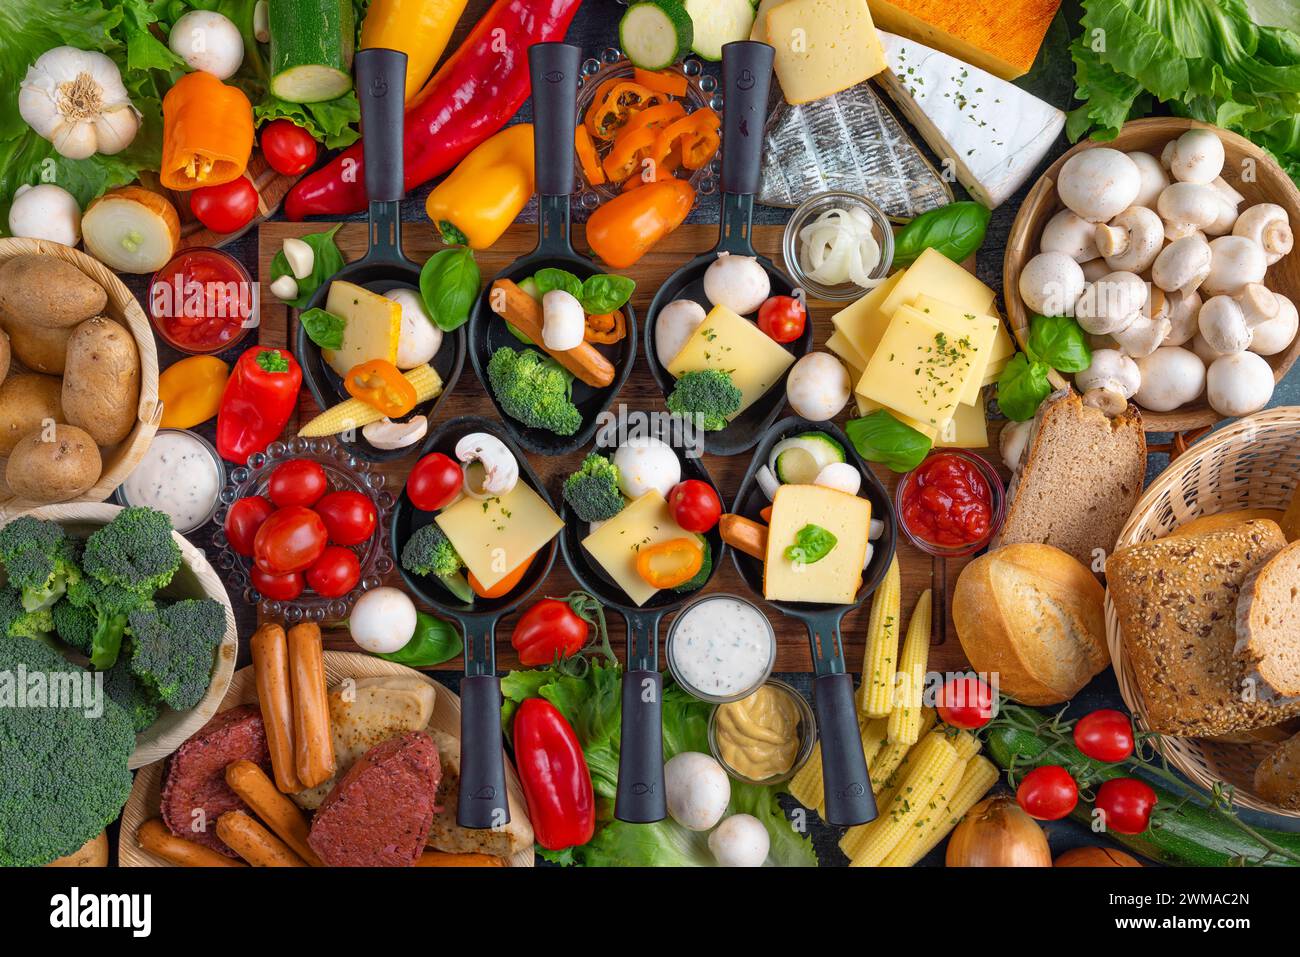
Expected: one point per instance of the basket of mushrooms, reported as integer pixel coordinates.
(1172, 248)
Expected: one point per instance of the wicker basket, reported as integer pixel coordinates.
(123, 308)
(1253, 463)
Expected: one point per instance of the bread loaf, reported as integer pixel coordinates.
(1212, 523)
(1268, 625)
(1033, 615)
(1277, 779)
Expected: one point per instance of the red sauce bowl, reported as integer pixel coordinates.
(951, 504)
(203, 301)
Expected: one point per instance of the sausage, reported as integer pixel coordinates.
(313, 741)
(744, 535)
(525, 313)
(154, 837)
(281, 815)
(447, 859)
(271, 668)
(254, 843)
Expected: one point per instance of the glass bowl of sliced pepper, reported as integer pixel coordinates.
(344, 472)
(637, 125)
(951, 504)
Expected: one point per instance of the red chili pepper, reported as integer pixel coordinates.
(472, 96)
(260, 395)
(557, 784)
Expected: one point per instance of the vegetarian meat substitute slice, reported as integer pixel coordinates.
(196, 774)
(379, 813)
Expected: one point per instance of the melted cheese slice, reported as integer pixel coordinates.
(496, 535)
(834, 579)
(615, 545)
(733, 344)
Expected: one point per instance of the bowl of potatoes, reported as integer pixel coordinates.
(78, 377)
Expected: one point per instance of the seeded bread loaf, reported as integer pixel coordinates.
(1176, 599)
(1212, 523)
(1277, 779)
(1268, 625)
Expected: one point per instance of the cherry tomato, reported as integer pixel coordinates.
(1048, 793)
(550, 628)
(1105, 735)
(225, 208)
(349, 517)
(335, 573)
(288, 148)
(290, 540)
(297, 482)
(243, 521)
(966, 702)
(284, 587)
(695, 506)
(1127, 804)
(782, 318)
(434, 482)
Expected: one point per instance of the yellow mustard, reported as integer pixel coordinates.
(758, 736)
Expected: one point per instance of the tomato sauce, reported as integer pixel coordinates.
(203, 301)
(947, 502)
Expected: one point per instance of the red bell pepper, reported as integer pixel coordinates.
(475, 93)
(557, 784)
(260, 395)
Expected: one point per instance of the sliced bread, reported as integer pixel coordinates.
(1268, 625)
(1277, 779)
(1079, 477)
(1176, 600)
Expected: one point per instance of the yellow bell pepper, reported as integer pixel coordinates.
(484, 194)
(190, 391)
(419, 28)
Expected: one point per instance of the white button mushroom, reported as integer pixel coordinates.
(740, 841)
(1229, 201)
(1094, 269)
(1144, 334)
(1239, 384)
(1099, 183)
(1202, 349)
(696, 790)
(1278, 333)
(674, 326)
(1015, 438)
(382, 620)
(738, 282)
(1111, 304)
(208, 41)
(45, 211)
(1188, 207)
(1184, 309)
(1153, 178)
(1223, 325)
(646, 463)
(1268, 225)
(419, 339)
(1197, 156)
(1182, 265)
(818, 386)
(1234, 262)
(563, 321)
(1257, 303)
(1132, 240)
(500, 467)
(1070, 234)
(1170, 377)
(1107, 384)
(1051, 283)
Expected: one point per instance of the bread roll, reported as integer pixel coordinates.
(1032, 614)
(1212, 523)
(1277, 779)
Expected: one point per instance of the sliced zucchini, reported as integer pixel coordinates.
(311, 49)
(717, 22)
(799, 459)
(655, 34)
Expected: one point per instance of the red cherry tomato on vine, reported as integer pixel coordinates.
(782, 318)
(1048, 793)
(695, 506)
(284, 587)
(1105, 735)
(335, 573)
(549, 628)
(289, 540)
(243, 520)
(288, 148)
(966, 702)
(297, 482)
(1127, 804)
(349, 517)
(434, 482)
(225, 208)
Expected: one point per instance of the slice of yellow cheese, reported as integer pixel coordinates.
(967, 429)
(615, 545)
(861, 322)
(735, 345)
(372, 326)
(495, 535)
(823, 47)
(834, 579)
(934, 274)
(930, 431)
(981, 329)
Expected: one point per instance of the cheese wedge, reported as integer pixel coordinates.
(615, 545)
(833, 579)
(733, 344)
(496, 535)
(372, 326)
(822, 47)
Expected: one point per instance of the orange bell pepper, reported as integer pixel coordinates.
(694, 138)
(612, 107)
(207, 133)
(586, 150)
(380, 384)
(670, 563)
(505, 585)
(624, 228)
(671, 82)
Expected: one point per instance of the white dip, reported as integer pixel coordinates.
(177, 476)
(722, 647)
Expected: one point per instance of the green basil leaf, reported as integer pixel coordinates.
(325, 263)
(551, 279)
(879, 437)
(449, 285)
(1058, 341)
(434, 642)
(323, 328)
(956, 230)
(602, 294)
(1022, 388)
(812, 543)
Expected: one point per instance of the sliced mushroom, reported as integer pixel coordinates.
(1235, 261)
(1197, 156)
(500, 468)
(1131, 241)
(1170, 377)
(1070, 234)
(387, 434)
(1268, 225)
(1112, 303)
(1051, 283)
(1099, 184)
(1188, 207)
(1182, 265)
(1109, 382)
(1278, 333)
(1184, 308)
(1153, 177)
(1223, 325)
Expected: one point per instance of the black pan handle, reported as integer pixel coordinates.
(554, 70)
(381, 86)
(483, 801)
(641, 750)
(847, 784)
(746, 79)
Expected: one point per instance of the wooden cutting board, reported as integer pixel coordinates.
(919, 570)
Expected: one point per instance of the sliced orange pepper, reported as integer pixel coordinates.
(612, 107)
(695, 137)
(628, 152)
(505, 585)
(380, 384)
(670, 563)
(662, 81)
(606, 329)
(586, 150)
(657, 116)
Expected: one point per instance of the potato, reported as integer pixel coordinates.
(27, 400)
(5, 355)
(94, 853)
(54, 467)
(38, 348)
(101, 380)
(43, 291)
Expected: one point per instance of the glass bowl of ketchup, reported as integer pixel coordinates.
(951, 504)
(203, 301)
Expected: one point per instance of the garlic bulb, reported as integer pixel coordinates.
(76, 100)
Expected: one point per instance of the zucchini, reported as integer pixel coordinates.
(717, 22)
(311, 49)
(798, 460)
(655, 34)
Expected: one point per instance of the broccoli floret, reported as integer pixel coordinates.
(701, 578)
(17, 622)
(172, 648)
(707, 397)
(135, 550)
(430, 552)
(39, 559)
(110, 604)
(534, 389)
(137, 700)
(593, 490)
(75, 625)
(63, 775)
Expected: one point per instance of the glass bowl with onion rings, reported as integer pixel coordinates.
(838, 246)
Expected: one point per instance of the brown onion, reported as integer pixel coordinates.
(997, 833)
(1096, 857)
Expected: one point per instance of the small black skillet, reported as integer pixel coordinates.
(381, 78)
(847, 785)
(554, 68)
(746, 77)
(640, 797)
(482, 772)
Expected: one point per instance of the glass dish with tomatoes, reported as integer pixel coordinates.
(303, 530)
(951, 504)
(203, 301)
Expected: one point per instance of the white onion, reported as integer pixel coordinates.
(767, 481)
(838, 247)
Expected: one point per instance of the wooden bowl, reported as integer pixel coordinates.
(1252, 463)
(196, 579)
(1267, 184)
(122, 307)
(146, 792)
